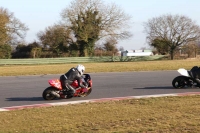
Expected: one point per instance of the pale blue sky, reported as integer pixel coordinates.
(39, 14)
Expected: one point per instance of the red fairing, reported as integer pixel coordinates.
(90, 83)
(75, 84)
(55, 83)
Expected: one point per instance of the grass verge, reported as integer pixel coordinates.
(152, 115)
(13, 70)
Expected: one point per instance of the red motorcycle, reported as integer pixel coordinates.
(55, 89)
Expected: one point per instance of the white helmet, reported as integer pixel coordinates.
(81, 69)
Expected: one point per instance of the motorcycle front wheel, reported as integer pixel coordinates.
(179, 82)
(47, 93)
(86, 93)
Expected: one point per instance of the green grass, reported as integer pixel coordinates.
(152, 115)
(13, 70)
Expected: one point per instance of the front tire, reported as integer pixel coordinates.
(47, 93)
(179, 82)
(86, 93)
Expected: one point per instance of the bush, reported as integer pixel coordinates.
(5, 51)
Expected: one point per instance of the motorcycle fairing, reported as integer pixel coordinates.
(81, 90)
(75, 84)
(183, 72)
(55, 83)
(90, 83)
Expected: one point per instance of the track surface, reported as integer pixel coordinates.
(27, 90)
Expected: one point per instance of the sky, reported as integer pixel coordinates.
(39, 14)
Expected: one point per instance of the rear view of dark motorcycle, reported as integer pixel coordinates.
(186, 79)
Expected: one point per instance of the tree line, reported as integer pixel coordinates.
(91, 28)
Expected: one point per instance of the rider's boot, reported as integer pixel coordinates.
(71, 90)
(62, 94)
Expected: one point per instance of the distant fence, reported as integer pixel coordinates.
(75, 60)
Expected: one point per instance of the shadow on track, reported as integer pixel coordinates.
(25, 99)
(161, 87)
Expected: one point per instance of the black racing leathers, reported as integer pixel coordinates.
(196, 74)
(67, 78)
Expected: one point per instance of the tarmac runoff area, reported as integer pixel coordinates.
(95, 100)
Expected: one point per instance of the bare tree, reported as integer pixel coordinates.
(110, 46)
(113, 21)
(121, 48)
(175, 30)
(11, 29)
(3, 31)
(56, 38)
(190, 49)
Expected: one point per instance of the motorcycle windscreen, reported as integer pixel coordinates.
(183, 72)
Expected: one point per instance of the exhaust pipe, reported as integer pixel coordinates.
(55, 94)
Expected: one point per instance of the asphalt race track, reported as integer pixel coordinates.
(26, 90)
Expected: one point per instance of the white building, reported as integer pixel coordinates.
(137, 53)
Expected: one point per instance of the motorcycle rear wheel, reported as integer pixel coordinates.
(47, 93)
(179, 82)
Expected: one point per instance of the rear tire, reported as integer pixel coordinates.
(47, 95)
(179, 82)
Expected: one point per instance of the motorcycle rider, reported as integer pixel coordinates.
(196, 74)
(75, 73)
